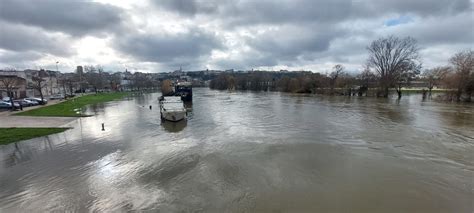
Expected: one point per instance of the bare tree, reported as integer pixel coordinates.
(68, 81)
(142, 81)
(463, 63)
(365, 78)
(406, 76)
(94, 77)
(392, 58)
(434, 76)
(113, 80)
(62, 80)
(8, 83)
(38, 83)
(338, 70)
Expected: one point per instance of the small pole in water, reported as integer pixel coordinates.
(150, 107)
(103, 127)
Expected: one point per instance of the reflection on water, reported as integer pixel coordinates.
(18, 155)
(170, 126)
(254, 152)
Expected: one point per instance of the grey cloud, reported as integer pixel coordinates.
(246, 61)
(19, 38)
(72, 17)
(418, 7)
(186, 7)
(284, 45)
(244, 12)
(249, 12)
(16, 57)
(287, 11)
(170, 49)
(289, 43)
(432, 31)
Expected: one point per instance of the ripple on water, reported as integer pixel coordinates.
(254, 152)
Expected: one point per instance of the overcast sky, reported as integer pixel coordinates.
(162, 35)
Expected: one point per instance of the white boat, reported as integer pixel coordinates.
(172, 108)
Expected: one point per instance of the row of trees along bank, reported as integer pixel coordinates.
(393, 63)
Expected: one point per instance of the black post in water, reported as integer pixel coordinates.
(103, 127)
(150, 107)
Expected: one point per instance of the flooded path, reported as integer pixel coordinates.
(250, 152)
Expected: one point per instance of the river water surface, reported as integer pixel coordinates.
(250, 152)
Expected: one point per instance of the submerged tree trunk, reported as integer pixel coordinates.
(71, 89)
(424, 94)
(468, 96)
(10, 94)
(458, 95)
(41, 95)
(399, 92)
(385, 92)
(65, 92)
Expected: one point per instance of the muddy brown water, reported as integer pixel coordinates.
(250, 152)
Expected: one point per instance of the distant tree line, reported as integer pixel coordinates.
(393, 63)
(337, 82)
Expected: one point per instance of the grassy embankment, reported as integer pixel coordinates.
(72, 108)
(10, 135)
(65, 109)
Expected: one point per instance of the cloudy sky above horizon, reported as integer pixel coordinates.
(162, 35)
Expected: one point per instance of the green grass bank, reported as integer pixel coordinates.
(70, 108)
(11, 135)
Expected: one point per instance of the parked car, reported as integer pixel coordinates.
(6, 99)
(23, 103)
(42, 102)
(5, 104)
(56, 96)
(32, 103)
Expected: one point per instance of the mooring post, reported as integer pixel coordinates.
(103, 127)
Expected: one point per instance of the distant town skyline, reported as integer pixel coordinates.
(162, 35)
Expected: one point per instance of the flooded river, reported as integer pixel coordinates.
(250, 152)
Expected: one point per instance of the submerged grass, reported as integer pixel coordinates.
(71, 107)
(11, 135)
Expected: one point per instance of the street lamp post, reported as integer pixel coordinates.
(57, 70)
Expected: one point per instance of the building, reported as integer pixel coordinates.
(14, 81)
(79, 70)
(23, 85)
(51, 82)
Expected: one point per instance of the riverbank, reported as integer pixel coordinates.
(73, 107)
(371, 92)
(11, 135)
(50, 119)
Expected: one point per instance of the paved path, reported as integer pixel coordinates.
(7, 120)
(34, 121)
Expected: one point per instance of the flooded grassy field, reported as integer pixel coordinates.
(250, 152)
